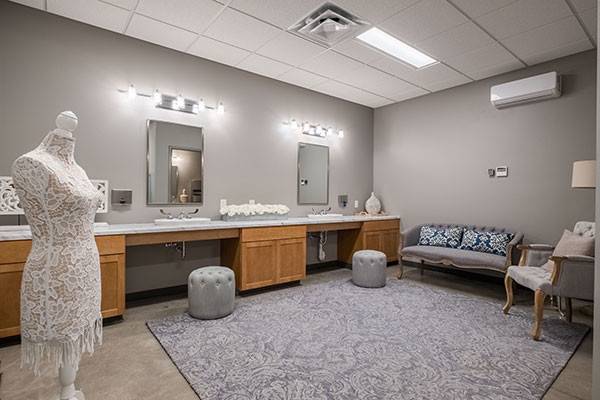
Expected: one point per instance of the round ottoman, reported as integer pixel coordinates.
(368, 268)
(211, 292)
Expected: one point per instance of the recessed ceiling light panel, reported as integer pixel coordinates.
(396, 48)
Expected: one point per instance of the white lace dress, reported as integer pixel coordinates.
(60, 290)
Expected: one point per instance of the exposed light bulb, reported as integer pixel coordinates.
(131, 91)
(174, 105)
(294, 124)
(157, 97)
(195, 108)
(180, 102)
(319, 130)
(311, 131)
(201, 105)
(306, 127)
(341, 133)
(221, 108)
(329, 131)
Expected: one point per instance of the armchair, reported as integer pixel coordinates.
(566, 276)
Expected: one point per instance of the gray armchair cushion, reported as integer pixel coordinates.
(532, 277)
(458, 257)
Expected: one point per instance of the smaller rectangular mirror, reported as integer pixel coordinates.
(175, 164)
(313, 174)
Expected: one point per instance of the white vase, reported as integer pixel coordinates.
(373, 205)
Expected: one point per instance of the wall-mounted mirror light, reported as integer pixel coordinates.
(171, 102)
(313, 129)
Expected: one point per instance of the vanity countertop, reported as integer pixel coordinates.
(129, 229)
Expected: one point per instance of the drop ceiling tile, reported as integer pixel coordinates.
(331, 64)
(411, 94)
(159, 33)
(283, 13)
(302, 78)
(476, 8)
(220, 52)
(483, 62)
(590, 21)
(263, 66)
(240, 30)
(425, 77)
(422, 20)
(583, 5)
(458, 40)
(127, 4)
(290, 49)
(557, 52)
(31, 3)
(355, 49)
(375, 81)
(193, 15)
(546, 38)
(374, 11)
(523, 16)
(91, 12)
(447, 84)
(350, 93)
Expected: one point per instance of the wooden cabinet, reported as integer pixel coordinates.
(13, 255)
(266, 256)
(383, 236)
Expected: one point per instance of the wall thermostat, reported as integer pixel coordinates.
(502, 171)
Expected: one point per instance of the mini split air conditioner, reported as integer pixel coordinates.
(535, 88)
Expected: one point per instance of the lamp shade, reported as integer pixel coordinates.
(584, 174)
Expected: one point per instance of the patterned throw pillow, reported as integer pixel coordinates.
(486, 242)
(441, 237)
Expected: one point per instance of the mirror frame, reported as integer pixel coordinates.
(148, 121)
(298, 173)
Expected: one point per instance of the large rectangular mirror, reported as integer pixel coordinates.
(313, 174)
(175, 163)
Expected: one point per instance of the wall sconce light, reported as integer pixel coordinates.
(318, 130)
(176, 103)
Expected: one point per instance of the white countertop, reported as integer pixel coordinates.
(128, 229)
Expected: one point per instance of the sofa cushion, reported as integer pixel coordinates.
(486, 242)
(458, 257)
(441, 237)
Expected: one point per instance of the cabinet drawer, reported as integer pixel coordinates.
(283, 232)
(384, 225)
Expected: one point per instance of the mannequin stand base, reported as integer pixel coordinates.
(77, 396)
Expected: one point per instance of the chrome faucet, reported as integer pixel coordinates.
(184, 215)
(166, 214)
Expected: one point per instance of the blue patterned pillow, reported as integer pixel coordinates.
(486, 242)
(441, 237)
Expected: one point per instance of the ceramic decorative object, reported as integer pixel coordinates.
(253, 212)
(373, 205)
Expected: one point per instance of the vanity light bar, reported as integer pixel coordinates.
(175, 103)
(311, 129)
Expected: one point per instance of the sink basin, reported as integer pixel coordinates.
(181, 222)
(325, 216)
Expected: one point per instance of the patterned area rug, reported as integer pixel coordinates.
(338, 341)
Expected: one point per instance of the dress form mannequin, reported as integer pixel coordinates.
(60, 291)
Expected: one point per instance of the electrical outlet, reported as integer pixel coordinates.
(223, 203)
(355, 203)
(251, 202)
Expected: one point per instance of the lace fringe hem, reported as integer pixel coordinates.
(33, 354)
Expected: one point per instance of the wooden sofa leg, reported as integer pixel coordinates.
(400, 269)
(508, 284)
(538, 314)
(569, 309)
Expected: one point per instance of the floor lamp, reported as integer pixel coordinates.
(584, 177)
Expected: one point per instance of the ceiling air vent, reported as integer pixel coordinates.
(328, 25)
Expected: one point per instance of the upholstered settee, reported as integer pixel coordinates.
(463, 258)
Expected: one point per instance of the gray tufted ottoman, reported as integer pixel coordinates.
(211, 292)
(368, 268)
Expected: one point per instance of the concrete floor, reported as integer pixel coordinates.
(132, 365)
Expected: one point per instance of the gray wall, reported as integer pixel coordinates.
(431, 155)
(49, 64)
